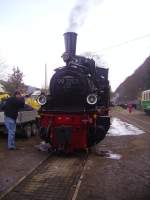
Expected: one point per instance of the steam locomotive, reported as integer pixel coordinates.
(75, 113)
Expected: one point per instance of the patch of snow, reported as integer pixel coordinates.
(119, 128)
(114, 156)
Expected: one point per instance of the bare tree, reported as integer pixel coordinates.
(15, 82)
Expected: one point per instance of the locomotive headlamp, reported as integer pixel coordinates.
(42, 99)
(91, 99)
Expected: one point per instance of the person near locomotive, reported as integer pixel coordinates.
(11, 108)
(130, 107)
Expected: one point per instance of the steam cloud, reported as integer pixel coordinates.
(99, 60)
(80, 12)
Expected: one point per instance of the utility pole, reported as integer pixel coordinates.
(45, 78)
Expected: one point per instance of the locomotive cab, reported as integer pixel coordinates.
(75, 113)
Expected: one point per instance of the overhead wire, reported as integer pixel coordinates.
(126, 42)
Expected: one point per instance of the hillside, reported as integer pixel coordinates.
(130, 89)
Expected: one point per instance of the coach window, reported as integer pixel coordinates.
(144, 96)
(147, 95)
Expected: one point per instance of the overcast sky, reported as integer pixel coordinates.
(31, 34)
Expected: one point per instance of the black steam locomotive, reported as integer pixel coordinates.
(75, 114)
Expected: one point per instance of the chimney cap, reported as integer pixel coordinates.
(70, 32)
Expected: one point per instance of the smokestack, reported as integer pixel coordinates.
(70, 39)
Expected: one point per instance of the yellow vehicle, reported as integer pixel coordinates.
(4, 96)
(33, 103)
(32, 100)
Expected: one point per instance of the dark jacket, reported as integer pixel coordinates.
(12, 106)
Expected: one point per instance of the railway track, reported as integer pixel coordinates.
(56, 178)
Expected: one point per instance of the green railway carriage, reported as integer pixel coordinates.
(145, 101)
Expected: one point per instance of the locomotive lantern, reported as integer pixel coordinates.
(75, 113)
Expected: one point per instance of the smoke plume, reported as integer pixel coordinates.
(79, 13)
(99, 60)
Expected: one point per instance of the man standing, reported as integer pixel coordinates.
(11, 108)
